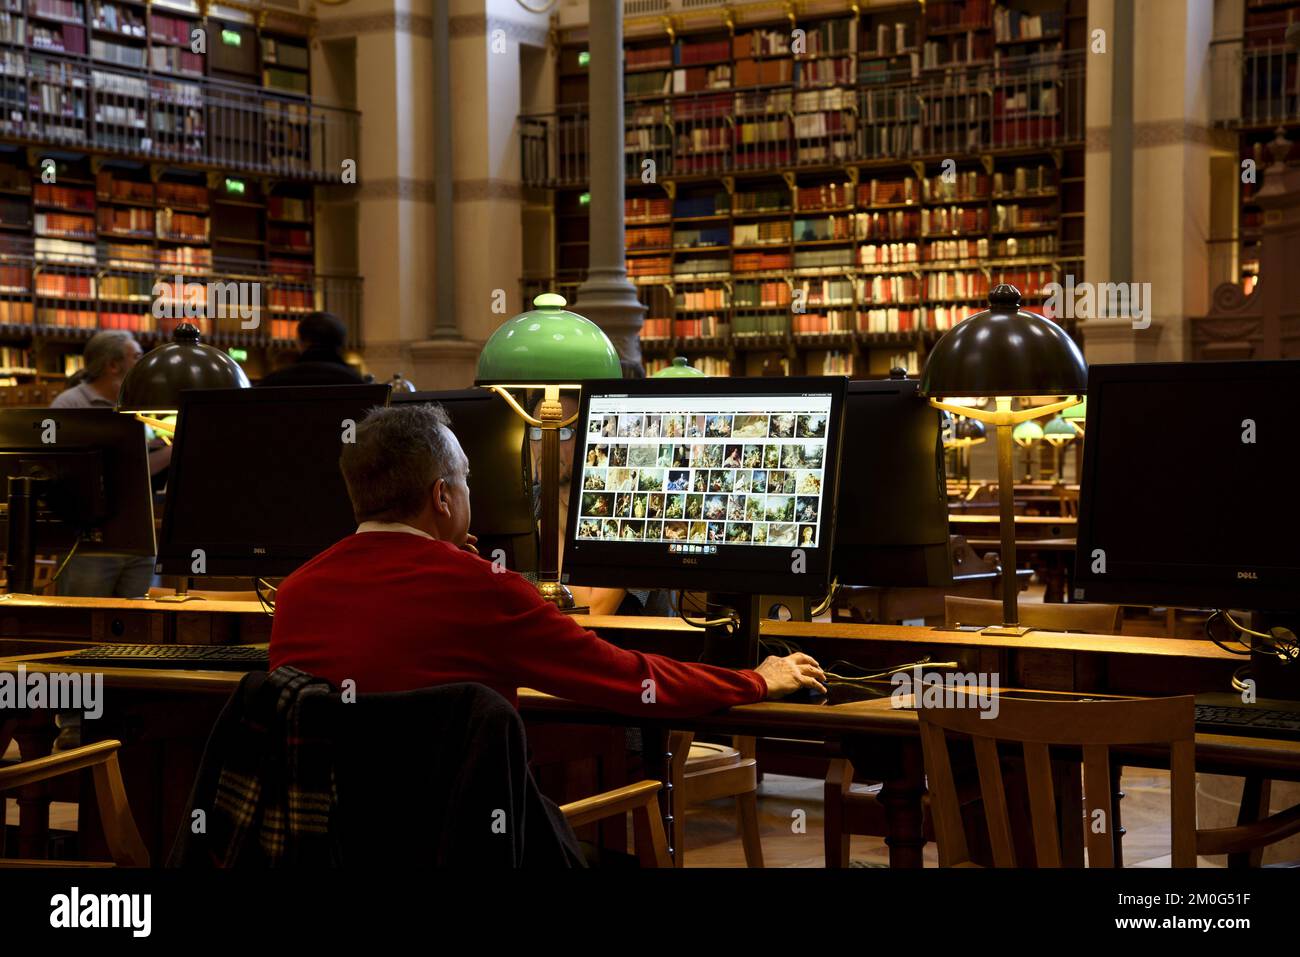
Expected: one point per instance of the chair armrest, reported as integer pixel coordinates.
(622, 800)
(1247, 837)
(54, 765)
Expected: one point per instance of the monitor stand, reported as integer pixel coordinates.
(738, 649)
(181, 593)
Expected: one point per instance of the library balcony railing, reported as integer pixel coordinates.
(1254, 82)
(233, 302)
(53, 99)
(955, 111)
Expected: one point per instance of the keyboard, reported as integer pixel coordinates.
(1266, 718)
(195, 657)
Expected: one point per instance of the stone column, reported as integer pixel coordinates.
(607, 298)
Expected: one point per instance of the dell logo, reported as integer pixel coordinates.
(690, 561)
(1247, 576)
(259, 550)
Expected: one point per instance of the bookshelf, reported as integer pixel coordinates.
(98, 84)
(814, 217)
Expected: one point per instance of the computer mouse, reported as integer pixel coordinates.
(805, 696)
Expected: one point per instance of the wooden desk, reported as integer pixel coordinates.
(163, 716)
(134, 621)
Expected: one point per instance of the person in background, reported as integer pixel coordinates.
(321, 338)
(109, 356)
(602, 601)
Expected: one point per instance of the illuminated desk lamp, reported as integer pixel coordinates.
(966, 433)
(1027, 435)
(1058, 434)
(1077, 416)
(151, 390)
(1002, 353)
(679, 369)
(548, 348)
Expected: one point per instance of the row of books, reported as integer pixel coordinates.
(639, 208)
(63, 9)
(118, 53)
(109, 187)
(288, 207)
(133, 220)
(1009, 24)
(954, 219)
(67, 225)
(824, 228)
(68, 318)
(767, 232)
(956, 250)
(701, 327)
(57, 285)
(60, 38)
(887, 254)
(693, 299)
(705, 236)
(182, 194)
(833, 259)
(186, 226)
(122, 288)
(118, 19)
(967, 184)
(168, 29)
(11, 29)
(890, 39)
(825, 292)
(12, 357)
(289, 237)
(1012, 216)
(956, 51)
(52, 250)
(67, 197)
(831, 320)
(176, 60)
(827, 196)
(895, 288)
(655, 237)
(761, 262)
(754, 295)
(708, 268)
(1013, 246)
(656, 328)
(973, 15)
(956, 285)
(284, 299)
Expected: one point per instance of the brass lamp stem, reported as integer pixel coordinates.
(1007, 525)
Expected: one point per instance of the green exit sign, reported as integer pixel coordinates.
(584, 58)
(236, 186)
(239, 355)
(584, 199)
(232, 38)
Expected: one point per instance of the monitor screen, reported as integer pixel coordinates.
(717, 484)
(1186, 494)
(255, 482)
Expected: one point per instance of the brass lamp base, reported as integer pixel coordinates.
(1005, 631)
(559, 595)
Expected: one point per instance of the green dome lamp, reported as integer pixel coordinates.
(1077, 416)
(551, 349)
(1002, 353)
(1059, 433)
(1027, 435)
(966, 433)
(679, 369)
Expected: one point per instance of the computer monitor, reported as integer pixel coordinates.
(495, 441)
(722, 485)
(255, 488)
(1187, 494)
(892, 524)
(94, 465)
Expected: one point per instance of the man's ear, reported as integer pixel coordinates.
(438, 496)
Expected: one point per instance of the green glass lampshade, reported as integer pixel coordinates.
(1004, 351)
(547, 345)
(156, 381)
(1027, 433)
(1059, 432)
(1077, 416)
(678, 370)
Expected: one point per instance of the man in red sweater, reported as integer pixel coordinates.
(407, 603)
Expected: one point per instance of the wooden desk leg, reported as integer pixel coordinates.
(901, 769)
(1255, 799)
(35, 736)
(837, 839)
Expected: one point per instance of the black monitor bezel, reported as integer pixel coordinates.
(597, 563)
(125, 455)
(1146, 584)
(253, 559)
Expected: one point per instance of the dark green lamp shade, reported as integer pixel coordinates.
(1059, 432)
(547, 345)
(970, 429)
(156, 381)
(1005, 351)
(678, 370)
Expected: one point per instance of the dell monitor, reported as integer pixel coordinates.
(72, 476)
(1187, 493)
(255, 487)
(495, 441)
(892, 525)
(724, 485)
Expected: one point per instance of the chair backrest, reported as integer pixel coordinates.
(1049, 616)
(1037, 726)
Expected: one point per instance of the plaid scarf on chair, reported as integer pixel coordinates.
(276, 784)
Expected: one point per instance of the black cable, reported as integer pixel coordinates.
(1209, 633)
(268, 606)
(66, 559)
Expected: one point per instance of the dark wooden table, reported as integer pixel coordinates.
(163, 715)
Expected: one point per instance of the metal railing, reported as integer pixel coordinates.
(1254, 83)
(1027, 103)
(56, 99)
(233, 302)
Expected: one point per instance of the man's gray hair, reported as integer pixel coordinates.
(399, 452)
(102, 349)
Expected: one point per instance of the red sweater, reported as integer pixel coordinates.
(395, 611)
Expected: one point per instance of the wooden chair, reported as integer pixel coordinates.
(641, 800)
(1093, 727)
(705, 772)
(120, 833)
(1088, 618)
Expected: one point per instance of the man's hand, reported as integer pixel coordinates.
(471, 543)
(784, 675)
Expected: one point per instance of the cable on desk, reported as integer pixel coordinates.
(825, 603)
(877, 676)
(731, 622)
(268, 605)
(72, 551)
